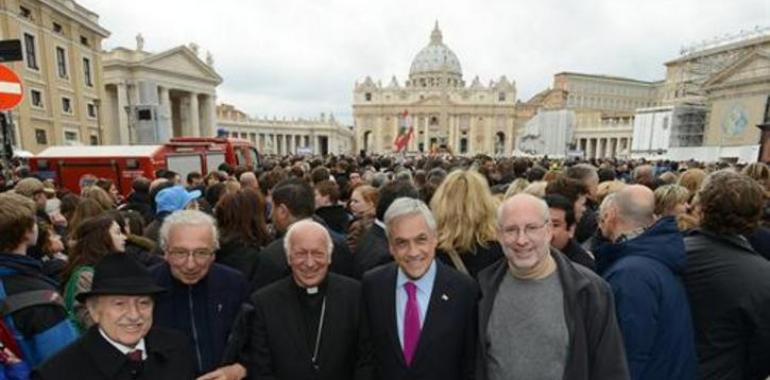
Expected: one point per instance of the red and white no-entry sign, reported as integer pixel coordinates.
(10, 89)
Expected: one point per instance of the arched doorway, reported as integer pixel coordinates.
(500, 143)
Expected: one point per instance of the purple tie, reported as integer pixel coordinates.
(411, 323)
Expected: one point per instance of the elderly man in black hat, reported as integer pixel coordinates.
(123, 343)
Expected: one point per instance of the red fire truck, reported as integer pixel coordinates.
(68, 166)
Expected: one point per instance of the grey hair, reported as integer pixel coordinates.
(403, 175)
(188, 218)
(307, 222)
(408, 206)
(379, 180)
(541, 203)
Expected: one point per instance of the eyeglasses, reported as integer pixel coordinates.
(180, 255)
(530, 230)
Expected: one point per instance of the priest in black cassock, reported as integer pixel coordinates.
(308, 325)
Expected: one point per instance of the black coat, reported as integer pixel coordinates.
(372, 250)
(578, 254)
(596, 346)
(278, 344)
(476, 261)
(239, 255)
(335, 217)
(728, 285)
(446, 349)
(93, 358)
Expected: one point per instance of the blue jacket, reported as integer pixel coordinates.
(651, 302)
(205, 312)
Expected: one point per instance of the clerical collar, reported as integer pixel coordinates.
(123, 348)
(312, 291)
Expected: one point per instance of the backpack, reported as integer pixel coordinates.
(39, 347)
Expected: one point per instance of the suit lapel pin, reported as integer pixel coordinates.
(445, 297)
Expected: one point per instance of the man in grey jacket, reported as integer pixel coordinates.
(540, 316)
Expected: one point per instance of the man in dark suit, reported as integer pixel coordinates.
(372, 250)
(294, 200)
(123, 344)
(309, 325)
(422, 314)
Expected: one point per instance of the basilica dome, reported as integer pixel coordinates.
(436, 57)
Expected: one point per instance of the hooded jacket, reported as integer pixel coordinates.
(651, 302)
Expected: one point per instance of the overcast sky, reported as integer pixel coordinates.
(300, 58)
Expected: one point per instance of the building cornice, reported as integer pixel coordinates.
(82, 15)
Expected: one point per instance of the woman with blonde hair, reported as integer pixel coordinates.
(691, 180)
(674, 201)
(517, 186)
(606, 188)
(466, 222)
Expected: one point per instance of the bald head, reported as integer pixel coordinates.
(523, 203)
(630, 208)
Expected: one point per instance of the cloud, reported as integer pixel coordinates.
(300, 58)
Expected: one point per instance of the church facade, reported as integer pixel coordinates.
(446, 113)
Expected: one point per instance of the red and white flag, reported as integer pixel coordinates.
(405, 132)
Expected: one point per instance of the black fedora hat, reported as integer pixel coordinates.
(119, 274)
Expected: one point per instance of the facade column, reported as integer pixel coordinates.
(426, 134)
(195, 126)
(123, 132)
(288, 144)
(289, 140)
(211, 114)
(273, 141)
(377, 137)
(614, 147)
(165, 128)
(590, 150)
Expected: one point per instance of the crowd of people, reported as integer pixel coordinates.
(391, 268)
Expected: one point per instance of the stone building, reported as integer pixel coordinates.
(61, 72)
(443, 110)
(323, 135)
(151, 97)
(728, 80)
(604, 109)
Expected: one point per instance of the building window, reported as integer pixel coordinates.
(57, 28)
(91, 110)
(66, 105)
(36, 98)
(84, 41)
(25, 12)
(29, 49)
(368, 96)
(70, 136)
(61, 62)
(501, 97)
(94, 140)
(40, 137)
(87, 72)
